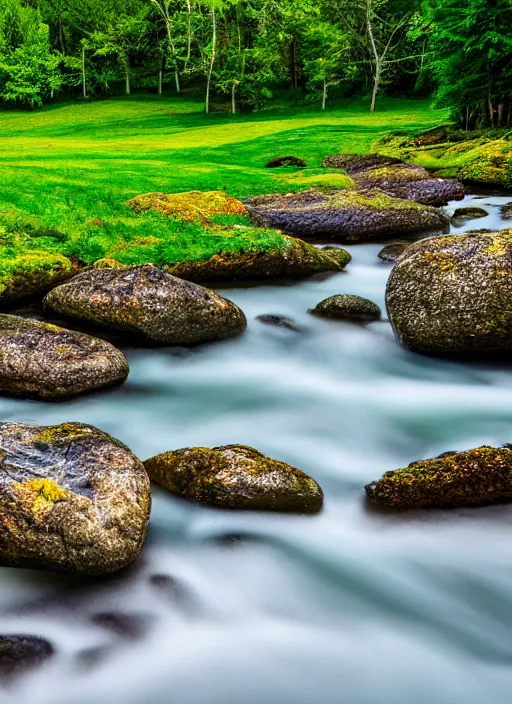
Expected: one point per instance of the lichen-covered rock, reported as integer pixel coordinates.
(347, 216)
(469, 213)
(72, 498)
(190, 206)
(148, 302)
(235, 476)
(32, 274)
(472, 478)
(391, 252)
(21, 653)
(451, 295)
(286, 161)
(348, 307)
(397, 178)
(295, 260)
(43, 361)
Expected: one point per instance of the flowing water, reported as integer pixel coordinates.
(349, 606)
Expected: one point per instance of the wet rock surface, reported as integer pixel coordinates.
(391, 252)
(346, 216)
(22, 653)
(235, 477)
(348, 307)
(149, 303)
(72, 498)
(506, 211)
(462, 214)
(278, 321)
(42, 361)
(473, 478)
(450, 296)
(295, 260)
(397, 178)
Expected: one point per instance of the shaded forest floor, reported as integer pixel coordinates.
(71, 167)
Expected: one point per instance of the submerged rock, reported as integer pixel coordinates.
(451, 295)
(286, 161)
(148, 302)
(278, 321)
(295, 260)
(391, 252)
(43, 361)
(397, 178)
(348, 216)
(235, 476)
(72, 498)
(20, 653)
(469, 213)
(472, 478)
(33, 274)
(348, 307)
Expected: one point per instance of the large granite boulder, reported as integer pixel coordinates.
(452, 296)
(477, 477)
(346, 216)
(148, 302)
(397, 178)
(43, 361)
(346, 306)
(295, 260)
(72, 498)
(237, 477)
(33, 273)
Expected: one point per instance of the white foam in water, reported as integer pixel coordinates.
(348, 606)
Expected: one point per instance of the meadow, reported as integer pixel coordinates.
(67, 170)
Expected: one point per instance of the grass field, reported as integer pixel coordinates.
(71, 167)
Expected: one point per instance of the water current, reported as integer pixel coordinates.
(348, 607)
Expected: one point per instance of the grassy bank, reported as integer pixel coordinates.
(69, 168)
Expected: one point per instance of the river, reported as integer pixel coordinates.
(347, 607)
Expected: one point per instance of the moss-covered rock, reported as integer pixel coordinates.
(477, 477)
(469, 213)
(451, 295)
(32, 273)
(397, 179)
(148, 302)
(189, 206)
(348, 307)
(43, 361)
(391, 252)
(295, 260)
(72, 498)
(347, 216)
(235, 476)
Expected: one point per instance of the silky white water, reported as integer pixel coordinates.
(350, 606)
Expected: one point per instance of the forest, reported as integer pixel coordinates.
(244, 54)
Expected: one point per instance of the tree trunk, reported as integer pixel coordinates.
(127, 89)
(233, 98)
(62, 36)
(376, 85)
(161, 76)
(177, 79)
(324, 95)
(212, 62)
(84, 87)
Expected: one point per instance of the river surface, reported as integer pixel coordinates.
(347, 607)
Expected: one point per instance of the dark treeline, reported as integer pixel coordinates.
(250, 50)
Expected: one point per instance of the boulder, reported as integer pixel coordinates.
(72, 498)
(469, 213)
(295, 260)
(391, 252)
(347, 216)
(397, 179)
(450, 296)
(506, 211)
(21, 653)
(348, 307)
(43, 361)
(32, 274)
(148, 302)
(472, 478)
(235, 476)
(286, 161)
(190, 206)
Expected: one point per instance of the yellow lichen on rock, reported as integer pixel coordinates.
(190, 206)
(42, 494)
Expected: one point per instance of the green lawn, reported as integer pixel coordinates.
(71, 167)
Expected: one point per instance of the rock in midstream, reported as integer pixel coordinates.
(348, 307)
(72, 498)
(148, 302)
(43, 361)
(235, 477)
